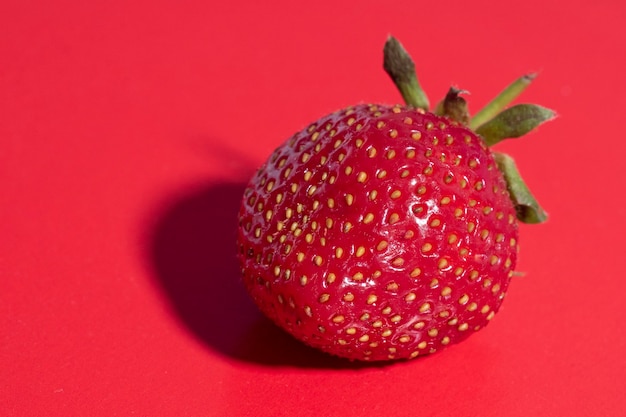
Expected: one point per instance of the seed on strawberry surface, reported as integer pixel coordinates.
(388, 232)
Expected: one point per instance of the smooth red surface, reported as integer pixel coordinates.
(128, 128)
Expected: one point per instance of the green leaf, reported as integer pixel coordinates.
(400, 67)
(499, 103)
(514, 122)
(526, 206)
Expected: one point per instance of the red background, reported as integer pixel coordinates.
(128, 128)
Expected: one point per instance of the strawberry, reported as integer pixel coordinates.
(388, 232)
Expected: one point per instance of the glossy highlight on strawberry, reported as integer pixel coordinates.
(389, 232)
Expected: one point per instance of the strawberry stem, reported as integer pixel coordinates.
(455, 107)
(400, 67)
(514, 122)
(495, 106)
(526, 206)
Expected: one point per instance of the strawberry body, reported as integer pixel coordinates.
(379, 233)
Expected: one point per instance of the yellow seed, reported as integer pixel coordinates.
(463, 327)
(318, 260)
(453, 322)
(371, 299)
(393, 218)
(360, 251)
(330, 278)
(371, 152)
(381, 174)
(303, 280)
(410, 296)
(490, 316)
(434, 283)
(338, 252)
(415, 273)
(362, 177)
(377, 323)
(300, 256)
(464, 299)
(364, 338)
(485, 309)
(419, 325)
(324, 298)
(357, 276)
(386, 333)
(427, 247)
(359, 142)
(348, 297)
(348, 170)
(351, 330)
(368, 218)
(395, 194)
(329, 223)
(443, 263)
(445, 200)
(416, 135)
(395, 319)
(398, 262)
(373, 194)
(393, 133)
(382, 245)
(422, 345)
(424, 307)
(392, 286)
(446, 291)
(404, 339)
(338, 318)
(349, 199)
(445, 340)
(386, 310)
(433, 332)
(472, 306)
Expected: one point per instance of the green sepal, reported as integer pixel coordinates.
(514, 122)
(527, 208)
(400, 67)
(502, 100)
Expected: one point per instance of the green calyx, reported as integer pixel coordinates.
(400, 67)
(526, 206)
(493, 123)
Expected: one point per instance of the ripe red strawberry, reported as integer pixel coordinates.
(382, 232)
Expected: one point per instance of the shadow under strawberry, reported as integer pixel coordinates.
(192, 250)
